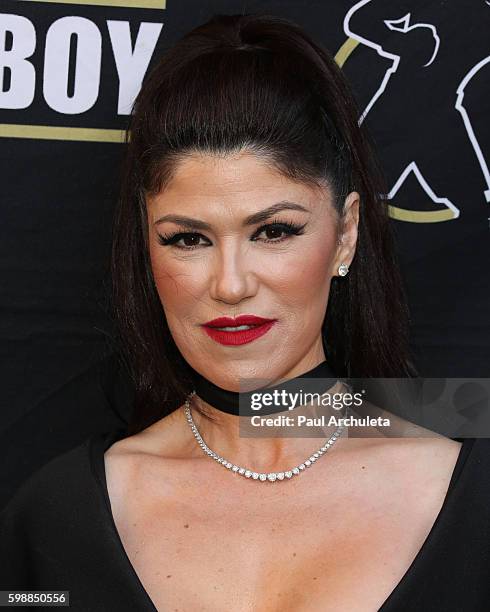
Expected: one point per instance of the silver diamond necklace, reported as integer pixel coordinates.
(261, 477)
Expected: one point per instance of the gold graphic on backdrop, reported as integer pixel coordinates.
(52, 132)
(48, 132)
(148, 4)
(395, 212)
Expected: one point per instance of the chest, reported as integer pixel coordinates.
(222, 550)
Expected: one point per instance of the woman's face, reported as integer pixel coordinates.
(211, 258)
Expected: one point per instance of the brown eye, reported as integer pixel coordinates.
(273, 232)
(190, 239)
(183, 240)
(278, 232)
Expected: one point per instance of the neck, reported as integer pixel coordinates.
(316, 379)
(229, 430)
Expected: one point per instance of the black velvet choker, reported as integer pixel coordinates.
(233, 402)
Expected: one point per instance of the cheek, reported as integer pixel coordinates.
(304, 277)
(178, 285)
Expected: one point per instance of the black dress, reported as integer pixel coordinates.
(58, 533)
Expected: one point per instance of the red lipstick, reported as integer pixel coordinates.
(256, 327)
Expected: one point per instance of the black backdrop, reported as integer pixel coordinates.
(420, 71)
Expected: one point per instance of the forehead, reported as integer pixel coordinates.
(241, 181)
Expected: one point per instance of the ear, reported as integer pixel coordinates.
(348, 232)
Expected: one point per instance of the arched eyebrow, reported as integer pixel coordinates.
(258, 217)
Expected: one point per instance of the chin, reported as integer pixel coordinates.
(232, 373)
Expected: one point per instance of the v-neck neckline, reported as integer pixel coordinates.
(393, 602)
(99, 443)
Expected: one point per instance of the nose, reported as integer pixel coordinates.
(232, 277)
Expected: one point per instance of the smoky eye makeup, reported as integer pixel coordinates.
(275, 231)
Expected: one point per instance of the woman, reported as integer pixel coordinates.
(251, 243)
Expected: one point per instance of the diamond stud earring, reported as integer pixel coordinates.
(343, 269)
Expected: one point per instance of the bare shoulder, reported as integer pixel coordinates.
(431, 446)
(141, 454)
(407, 435)
(160, 439)
(396, 445)
(435, 448)
(428, 460)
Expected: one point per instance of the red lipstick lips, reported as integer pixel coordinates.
(255, 327)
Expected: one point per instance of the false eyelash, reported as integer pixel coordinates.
(287, 227)
(170, 239)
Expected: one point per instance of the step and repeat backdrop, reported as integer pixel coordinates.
(69, 73)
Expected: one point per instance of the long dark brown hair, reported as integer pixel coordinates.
(257, 83)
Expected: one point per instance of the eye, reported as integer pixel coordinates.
(274, 230)
(190, 240)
